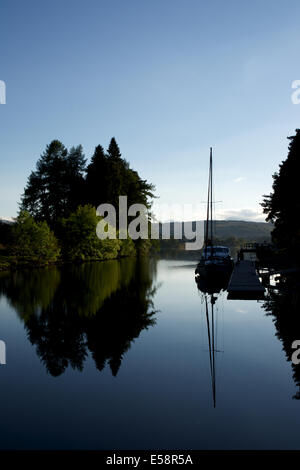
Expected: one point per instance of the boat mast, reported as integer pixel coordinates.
(209, 192)
(211, 202)
(213, 352)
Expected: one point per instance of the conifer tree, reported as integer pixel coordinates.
(53, 189)
(97, 178)
(282, 206)
(113, 150)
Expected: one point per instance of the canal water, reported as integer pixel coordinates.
(120, 355)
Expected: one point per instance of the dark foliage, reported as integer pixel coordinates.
(62, 182)
(282, 206)
(109, 176)
(62, 185)
(53, 189)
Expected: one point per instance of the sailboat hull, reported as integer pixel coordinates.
(213, 282)
(212, 269)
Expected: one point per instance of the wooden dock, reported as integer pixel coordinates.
(244, 282)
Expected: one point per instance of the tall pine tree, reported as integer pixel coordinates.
(109, 176)
(113, 150)
(282, 206)
(97, 178)
(52, 190)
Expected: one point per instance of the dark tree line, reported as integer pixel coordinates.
(282, 206)
(58, 219)
(62, 181)
(54, 189)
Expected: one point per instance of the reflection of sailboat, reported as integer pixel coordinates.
(213, 285)
(209, 290)
(215, 260)
(211, 344)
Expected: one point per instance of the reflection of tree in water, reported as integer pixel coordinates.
(284, 306)
(31, 290)
(96, 307)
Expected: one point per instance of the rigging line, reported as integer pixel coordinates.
(217, 316)
(205, 202)
(208, 333)
(213, 216)
(207, 212)
(213, 354)
(211, 206)
(204, 329)
(201, 335)
(221, 328)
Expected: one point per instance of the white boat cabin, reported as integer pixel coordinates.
(215, 252)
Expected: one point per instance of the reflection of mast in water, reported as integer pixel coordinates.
(210, 288)
(211, 343)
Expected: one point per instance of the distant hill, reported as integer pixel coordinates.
(256, 231)
(232, 233)
(6, 221)
(250, 231)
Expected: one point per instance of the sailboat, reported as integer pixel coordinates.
(215, 259)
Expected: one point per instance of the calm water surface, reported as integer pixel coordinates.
(115, 355)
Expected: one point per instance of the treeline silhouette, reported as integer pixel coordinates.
(62, 181)
(57, 218)
(282, 205)
(96, 308)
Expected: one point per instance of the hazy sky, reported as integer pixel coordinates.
(167, 78)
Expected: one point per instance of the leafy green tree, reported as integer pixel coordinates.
(143, 246)
(80, 241)
(127, 248)
(53, 188)
(282, 206)
(108, 177)
(5, 233)
(34, 242)
(57, 188)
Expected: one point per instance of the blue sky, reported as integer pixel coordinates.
(167, 78)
